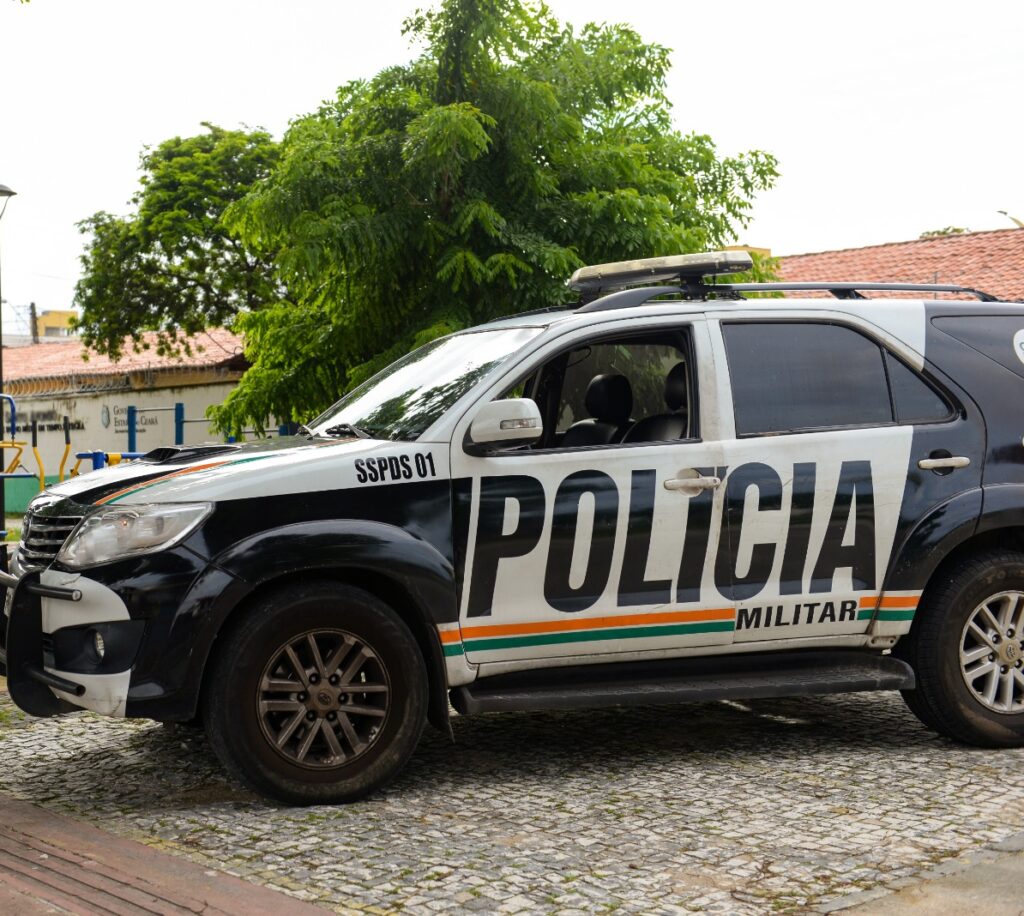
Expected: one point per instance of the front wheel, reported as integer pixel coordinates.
(317, 696)
(967, 650)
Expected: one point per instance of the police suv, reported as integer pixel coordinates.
(670, 492)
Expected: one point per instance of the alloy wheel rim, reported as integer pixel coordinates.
(323, 698)
(992, 653)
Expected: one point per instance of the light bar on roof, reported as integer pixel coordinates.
(689, 268)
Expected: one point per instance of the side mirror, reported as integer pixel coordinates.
(499, 424)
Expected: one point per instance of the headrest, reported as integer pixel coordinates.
(676, 387)
(609, 398)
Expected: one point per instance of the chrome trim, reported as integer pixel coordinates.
(46, 529)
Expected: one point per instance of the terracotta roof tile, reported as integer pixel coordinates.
(216, 347)
(990, 261)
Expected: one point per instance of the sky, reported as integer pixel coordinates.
(888, 118)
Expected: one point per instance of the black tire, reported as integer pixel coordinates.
(942, 699)
(242, 732)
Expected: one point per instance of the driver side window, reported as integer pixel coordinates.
(616, 390)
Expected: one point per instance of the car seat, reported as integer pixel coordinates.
(665, 426)
(609, 401)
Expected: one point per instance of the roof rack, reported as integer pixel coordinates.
(844, 290)
(526, 314)
(607, 283)
(631, 298)
(628, 298)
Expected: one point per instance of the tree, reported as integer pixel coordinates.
(172, 266)
(465, 185)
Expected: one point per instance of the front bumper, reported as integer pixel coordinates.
(31, 686)
(158, 615)
(51, 619)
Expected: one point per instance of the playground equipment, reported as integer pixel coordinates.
(15, 469)
(97, 459)
(19, 446)
(102, 459)
(67, 447)
(11, 469)
(179, 422)
(133, 413)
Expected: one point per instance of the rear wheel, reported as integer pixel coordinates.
(318, 696)
(967, 650)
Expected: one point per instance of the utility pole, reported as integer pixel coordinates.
(5, 194)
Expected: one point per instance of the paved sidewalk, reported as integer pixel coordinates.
(783, 806)
(53, 864)
(986, 882)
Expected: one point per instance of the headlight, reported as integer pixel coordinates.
(116, 532)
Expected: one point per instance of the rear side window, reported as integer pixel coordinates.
(914, 400)
(788, 376)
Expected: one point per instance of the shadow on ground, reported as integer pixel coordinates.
(170, 766)
(727, 806)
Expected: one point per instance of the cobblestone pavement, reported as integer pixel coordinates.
(743, 808)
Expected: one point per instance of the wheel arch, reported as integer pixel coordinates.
(405, 572)
(944, 529)
(980, 543)
(389, 589)
(969, 524)
(944, 698)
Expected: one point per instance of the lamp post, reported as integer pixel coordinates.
(5, 194)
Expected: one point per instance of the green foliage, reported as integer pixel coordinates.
(765, 267)
(469, 184)
(945, 230)
(172, 266)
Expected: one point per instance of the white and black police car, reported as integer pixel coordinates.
(670, 492)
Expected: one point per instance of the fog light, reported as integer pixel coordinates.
(99, 646)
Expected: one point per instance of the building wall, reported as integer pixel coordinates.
(99, 421)
(55, 323)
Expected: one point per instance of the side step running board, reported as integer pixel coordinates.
(732, 677)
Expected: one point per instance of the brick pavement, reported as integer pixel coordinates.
(781, 805)
(50, 863)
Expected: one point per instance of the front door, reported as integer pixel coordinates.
(601, 539)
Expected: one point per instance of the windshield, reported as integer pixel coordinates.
(402, 401)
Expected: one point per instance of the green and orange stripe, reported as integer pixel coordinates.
(482, 638)
(888, 608)
(152, 482)
(485, 637)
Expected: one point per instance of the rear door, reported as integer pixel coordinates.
(831, 424)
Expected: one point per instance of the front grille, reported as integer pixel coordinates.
(42, 537)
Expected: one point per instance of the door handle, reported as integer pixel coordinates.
(692, 485)
(937, 464)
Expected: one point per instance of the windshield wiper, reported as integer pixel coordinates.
(304, 431)
(346, 429)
